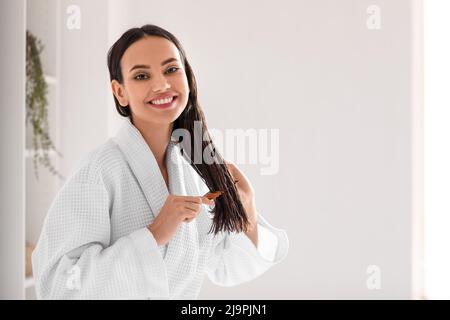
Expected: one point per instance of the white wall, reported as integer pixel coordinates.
(341, 96)
(84, 81)
(12, 144)
(437, 153)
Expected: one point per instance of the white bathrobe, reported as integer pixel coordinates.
(95, 243)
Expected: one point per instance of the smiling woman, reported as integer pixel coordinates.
(136, 219)
(157, 80)
(148, 66)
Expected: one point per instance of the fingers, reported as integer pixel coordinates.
(195, 200)
(191, 210)
(189, 206)
(192, 199)
(188, 217)
(192, 207)
(207, 201)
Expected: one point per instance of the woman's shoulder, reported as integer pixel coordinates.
(99, 162)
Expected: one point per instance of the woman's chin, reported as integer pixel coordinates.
(165, 117)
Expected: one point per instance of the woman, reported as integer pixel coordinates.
(133, 220)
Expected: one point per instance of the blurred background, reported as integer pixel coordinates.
(342, 81)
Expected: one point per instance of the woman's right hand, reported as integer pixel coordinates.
(176, 209)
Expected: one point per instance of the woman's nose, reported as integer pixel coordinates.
(160, 84)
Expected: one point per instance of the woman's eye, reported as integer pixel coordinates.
(139, 77)
(172, 69)
(144, 76)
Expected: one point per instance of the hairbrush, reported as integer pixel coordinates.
(214, 194)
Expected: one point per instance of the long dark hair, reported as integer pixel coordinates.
(229, 213)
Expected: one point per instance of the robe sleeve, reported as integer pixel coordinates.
(74, 258)
(235, 259)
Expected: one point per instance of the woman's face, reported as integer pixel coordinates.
(154, 85)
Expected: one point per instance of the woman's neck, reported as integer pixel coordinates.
(157, 137)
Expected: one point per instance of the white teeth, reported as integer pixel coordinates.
(162, 101)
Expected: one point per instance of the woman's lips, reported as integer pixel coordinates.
(165, 105)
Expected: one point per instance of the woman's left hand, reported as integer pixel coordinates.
(246, 192)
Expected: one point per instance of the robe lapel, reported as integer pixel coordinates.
(182, 250)
(143, 164)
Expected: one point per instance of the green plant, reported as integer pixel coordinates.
(36, 106)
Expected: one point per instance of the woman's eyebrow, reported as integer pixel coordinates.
(144, 66)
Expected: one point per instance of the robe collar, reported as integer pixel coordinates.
(145, 167)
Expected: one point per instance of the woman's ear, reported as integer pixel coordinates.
(119, 93)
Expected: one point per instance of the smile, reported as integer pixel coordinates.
(163, 103)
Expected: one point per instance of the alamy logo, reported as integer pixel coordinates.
(374, 19)
(248, 146)
(74, 19)
(74, 280)
(373, 281)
